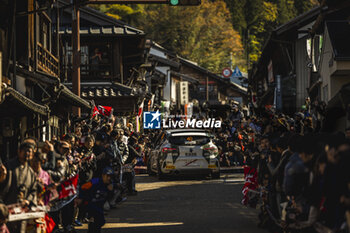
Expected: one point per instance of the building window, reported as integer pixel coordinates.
(96, 60)
(45, 31)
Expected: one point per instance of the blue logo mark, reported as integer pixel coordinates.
(151, 120)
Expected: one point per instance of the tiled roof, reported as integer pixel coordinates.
(112, 30)
(103, 90)
(74, 99)
(93, 92)
(13, 95)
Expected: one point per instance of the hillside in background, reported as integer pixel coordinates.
(208, 34)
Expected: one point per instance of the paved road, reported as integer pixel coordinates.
(184, 205)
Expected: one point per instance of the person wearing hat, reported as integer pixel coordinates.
(93, 195)
(19, 185)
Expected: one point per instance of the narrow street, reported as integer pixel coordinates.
(186, 205)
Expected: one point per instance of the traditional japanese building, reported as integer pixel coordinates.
(178, 81)
(30, 87)
(309, 55)
(112, 55)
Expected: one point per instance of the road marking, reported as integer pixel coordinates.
(233, 180)
(150, 183)
(129, 225)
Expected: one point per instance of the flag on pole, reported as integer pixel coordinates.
(140, 109)
(103, 110)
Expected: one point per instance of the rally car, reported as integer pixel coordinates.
(185, 151)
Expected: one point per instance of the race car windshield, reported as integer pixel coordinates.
(189, 140)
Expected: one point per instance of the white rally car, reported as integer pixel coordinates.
(185, 151)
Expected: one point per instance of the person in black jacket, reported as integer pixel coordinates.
(99, 150)
(86, 169)
(129, 163)
(88, 160)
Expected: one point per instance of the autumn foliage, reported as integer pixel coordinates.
(208, 34)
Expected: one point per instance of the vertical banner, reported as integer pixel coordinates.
(137, 124)
(124, 122)
(190, 109)
(149, 105)
(139, 116)
(278, 93)
(270, 72)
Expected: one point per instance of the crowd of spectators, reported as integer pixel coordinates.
(99, 152)
(296, 174)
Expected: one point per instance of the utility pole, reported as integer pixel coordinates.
(207, 88)
(76, 52)
(247, 48)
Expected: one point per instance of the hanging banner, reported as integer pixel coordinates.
(270, 72)
(149, 105)
(138, 126)
(18, 213)
(188, 110)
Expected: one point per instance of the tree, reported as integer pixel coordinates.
(202, 34)
(255, 20)
(286, 11)
(208, 33)
(302, 6)
(127, 13)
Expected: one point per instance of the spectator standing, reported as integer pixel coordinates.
(4, 214)
(62, 171)
(20, 184)
(130, 162)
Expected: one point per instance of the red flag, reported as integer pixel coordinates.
(250, 182)
(50, 224)
(140, 109)
(69, 187)
(95, 112)
(103, 110)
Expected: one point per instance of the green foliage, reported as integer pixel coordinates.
(203, 34)
(209, 33)
(255, 19)
(127, 13)
(302, 6)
